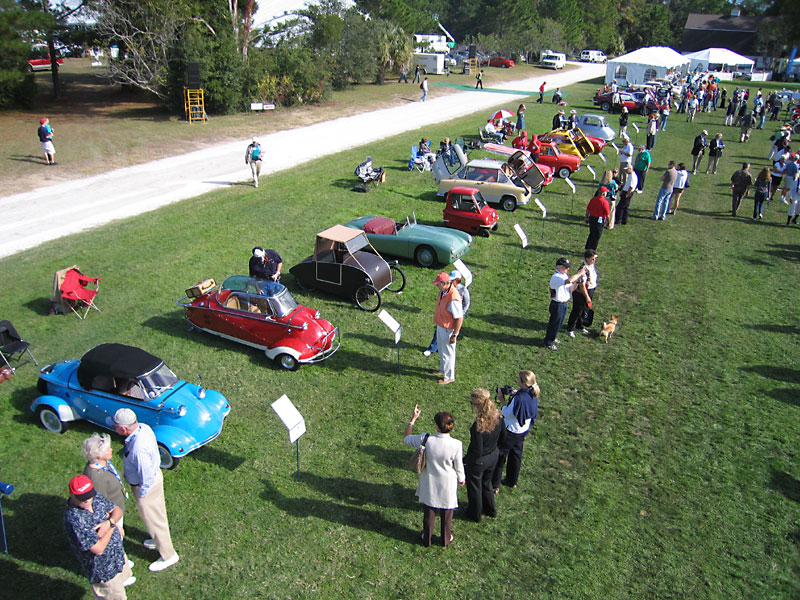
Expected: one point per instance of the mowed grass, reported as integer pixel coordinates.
(99, 127)
(663, 464)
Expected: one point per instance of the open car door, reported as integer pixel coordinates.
(523, 167)
(439, 167)
(581, 142)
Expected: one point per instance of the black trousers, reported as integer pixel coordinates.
(429, 521)
(511, 448)
(623, 206)
(579, 305)
(595, 231)
(479, 487)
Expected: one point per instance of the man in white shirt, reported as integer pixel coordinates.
(626, 153)
(561, 288)
(625, 194)
(492, 131)
(142, 463)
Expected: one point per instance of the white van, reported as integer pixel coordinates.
(553, 60)
(593, 56)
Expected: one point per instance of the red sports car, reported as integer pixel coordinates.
(468, 211)
(498, 61)
(261, 314)
(634, 102)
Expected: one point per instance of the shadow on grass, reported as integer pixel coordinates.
(779, 373)
(783, 251)
(787, 395)
(28, 158)
(385, 456)
(357, 516)
(511, 321)
(214, 456)
(784, 483)
(790, 329)
(40, 306)
(36, 585)
(355, 360)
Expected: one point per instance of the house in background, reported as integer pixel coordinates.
(734, 32)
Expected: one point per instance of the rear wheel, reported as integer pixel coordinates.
(483, 232)
(287, 362)
(398, 280)
(167, 460)
(509, 203)
(368, 298)
(606, 106)
(425, 256)
(306, 286)
(564, 172)
(50, 420)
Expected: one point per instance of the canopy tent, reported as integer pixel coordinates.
(645, 64)
(719, 59)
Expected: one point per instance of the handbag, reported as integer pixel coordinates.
(588, 317)
(417, 462)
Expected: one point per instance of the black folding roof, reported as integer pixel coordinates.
(115, 360)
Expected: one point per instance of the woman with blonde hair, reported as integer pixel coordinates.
(762, 188)
(484, 435)
(519, 416)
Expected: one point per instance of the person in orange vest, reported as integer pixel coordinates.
(448, 316)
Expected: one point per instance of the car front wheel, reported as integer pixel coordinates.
(425, 256)
(564, 172)
(368, 298)
(606, 106)
(398, 280)
(287, 362)
(50, 420)
(167, 460)
(509, 203)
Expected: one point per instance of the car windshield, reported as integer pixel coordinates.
(283, 303)
(158, 381)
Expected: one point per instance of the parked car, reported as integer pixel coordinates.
(563, 164)
(593, 56)
(184, 416)
(645, 103)
(605, 101)
(497, 184)
(498, 61)
(465, 209)
(595, 126)
(340, 267)
(573, 141)
(264, 315)
(425, 244)
(39, 59)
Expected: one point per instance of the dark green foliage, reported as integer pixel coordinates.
(17, 86)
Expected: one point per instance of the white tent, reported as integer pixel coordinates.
(645, 64)
(719, 59)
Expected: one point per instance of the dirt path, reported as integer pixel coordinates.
(47, 213)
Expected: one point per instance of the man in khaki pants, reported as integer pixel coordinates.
(143, 472)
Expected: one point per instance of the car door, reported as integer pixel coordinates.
(95, 405)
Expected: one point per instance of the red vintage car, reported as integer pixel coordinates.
(562, 164)
(498, 61)
(634, 102)
(39, 59)
(468, 211)
(261, 314)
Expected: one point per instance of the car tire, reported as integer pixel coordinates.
(495, 226)
(168, 461)
(50, 420)
(287, 362)
(398, 280)
(606, 106)
(538, 190)
(367, 298)
(306, 287)
(505, 66)
(508, 203)
(483, 232)
(425, 256)
(564, 172)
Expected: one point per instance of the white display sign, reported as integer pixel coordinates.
(603, 158)
(616, 148)
(591, 170)
(542, 207)
(570, 184)
(636, 127)
(392, 324)
(466, 274)
(522, 237)
(290, 417)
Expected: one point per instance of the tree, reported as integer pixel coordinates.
(392, 46)
(17, 86)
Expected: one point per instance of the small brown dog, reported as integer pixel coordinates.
(610, 327)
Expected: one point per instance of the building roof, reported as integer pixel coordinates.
(722, 22)
(723, 31)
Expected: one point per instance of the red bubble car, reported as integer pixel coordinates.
(465, 209)
(261, 314)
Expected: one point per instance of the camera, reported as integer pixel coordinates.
(506, 390)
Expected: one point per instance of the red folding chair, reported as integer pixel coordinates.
(72, 285)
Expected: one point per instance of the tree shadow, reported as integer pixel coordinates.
(787, 395)
(35, 586)
(782, 482)
(790, 329)
(355, 517)
(385, 456)
(773, 372)
(379, 366)
(510, 321)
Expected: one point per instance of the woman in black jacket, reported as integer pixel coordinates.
(481, 458)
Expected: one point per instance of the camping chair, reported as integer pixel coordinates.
(13, 347)
(70, 288)
(369, 175)
(420, 163)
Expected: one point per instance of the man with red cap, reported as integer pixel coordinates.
(597, 213)
(449, 316)
(45, 133)
(90, 522)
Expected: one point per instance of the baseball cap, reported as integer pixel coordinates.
(563, 262)
(259, 252)
(81, 487)
(125, 417)
(705, 132)
(42, 121)
(455, 275)
(604, 189)
(441, 278)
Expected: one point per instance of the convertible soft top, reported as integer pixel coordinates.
(115, 360)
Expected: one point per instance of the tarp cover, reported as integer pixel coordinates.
(115, 360)
(380, 225)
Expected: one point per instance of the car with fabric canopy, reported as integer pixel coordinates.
(184, 416)
(262, 314)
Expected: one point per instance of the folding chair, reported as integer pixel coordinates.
(13, 347)
(420, 163)
(70, 288)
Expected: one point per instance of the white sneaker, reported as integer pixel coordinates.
(584, 330)
(784, 200)
(149, 544)
(130, 564)
(129, 581)
(571, 334)
(426, 352)
(162, 564)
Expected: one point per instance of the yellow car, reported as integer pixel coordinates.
(573, 141)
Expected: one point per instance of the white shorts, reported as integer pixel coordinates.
(48, 147)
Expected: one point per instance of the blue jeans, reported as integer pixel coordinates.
(662, 204)
(558, 310)
(664, 122)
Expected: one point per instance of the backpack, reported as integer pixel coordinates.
(255, 152)
(420, 86)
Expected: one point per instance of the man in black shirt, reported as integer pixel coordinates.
(265, 264)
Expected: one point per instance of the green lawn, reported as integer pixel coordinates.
(663, 465)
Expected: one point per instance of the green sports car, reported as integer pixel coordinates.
(425, 244)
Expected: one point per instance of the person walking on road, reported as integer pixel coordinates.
(424, 87)
(252, 157)
(403, 74)
(479, 79)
